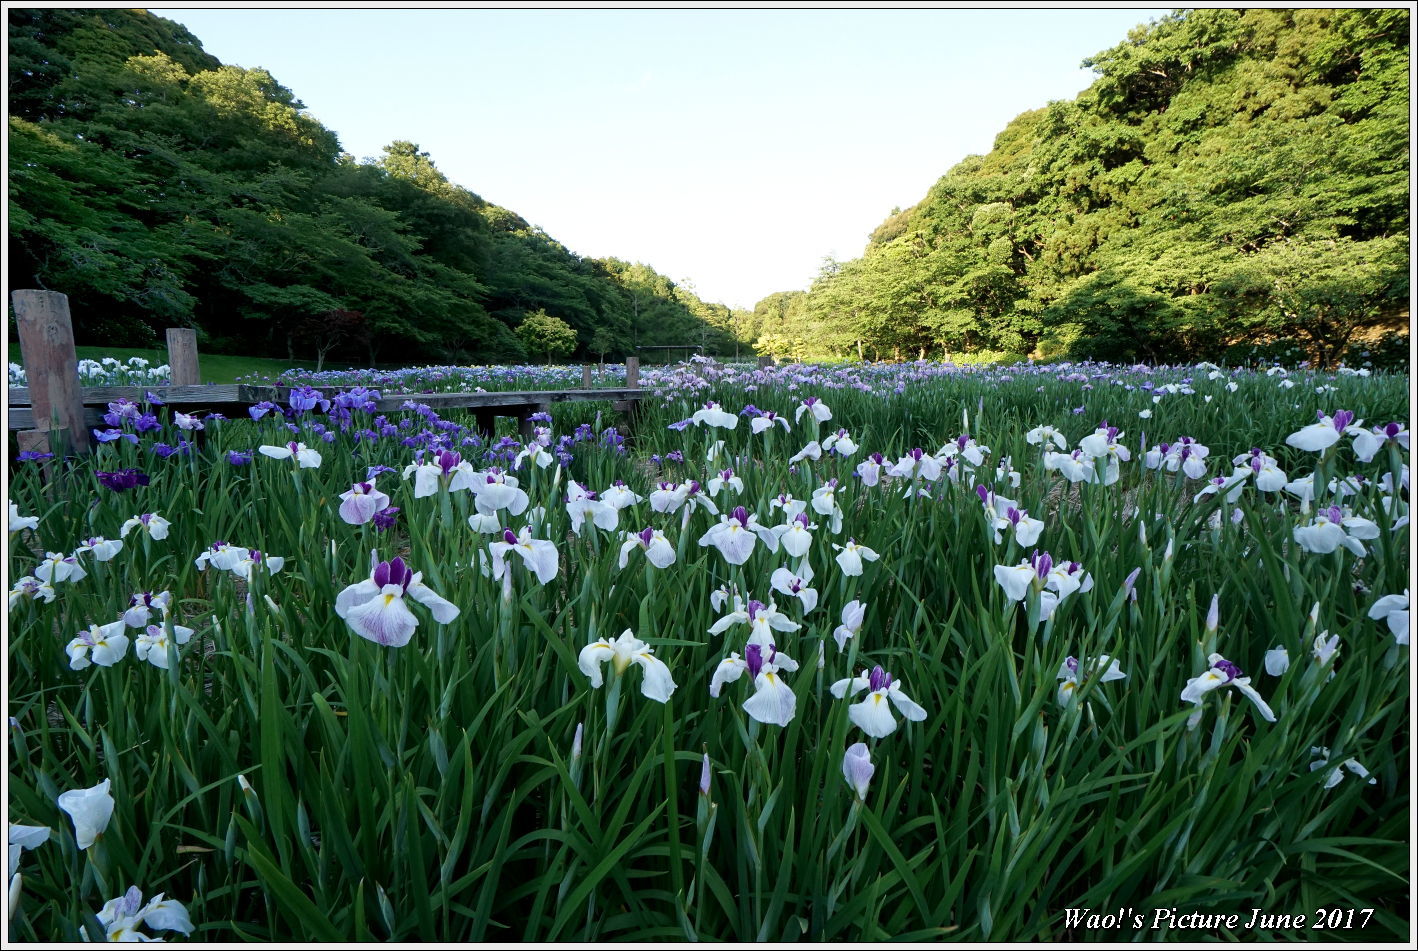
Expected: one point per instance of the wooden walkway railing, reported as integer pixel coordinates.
(54, 404)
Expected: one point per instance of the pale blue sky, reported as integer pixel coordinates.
(732, 148)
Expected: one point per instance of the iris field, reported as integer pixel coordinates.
(809, 653)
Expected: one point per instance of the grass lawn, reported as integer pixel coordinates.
(215, 367)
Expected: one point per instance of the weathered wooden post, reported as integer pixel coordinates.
(632, 373)
(182, 356)
(765, 362)
(585, 376)
(47, 347)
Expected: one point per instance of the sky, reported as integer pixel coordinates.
(731, 150)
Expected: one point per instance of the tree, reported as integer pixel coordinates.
(155, 185)
(545, 335)
(1318, 292)
(1221, 156)
(330, 330)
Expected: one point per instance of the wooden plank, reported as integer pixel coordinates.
(22, 418)
(232, 400)
(182, 356)
(632, 372)
(585, 376)
(201, 394)
(32, 440)
(47, 347)
(205, 393)
(509, 399)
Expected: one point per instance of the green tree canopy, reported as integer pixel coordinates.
(546, 336)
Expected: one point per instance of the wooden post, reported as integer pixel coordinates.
(525, 426)
(182, 356)
(485, 420)
(765, 362)
(585, 376)
(47, 346)
(632, 373)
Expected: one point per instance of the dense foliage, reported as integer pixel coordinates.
(158, 187)
(1231, 177)
(295, 753)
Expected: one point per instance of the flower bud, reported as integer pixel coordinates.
(857, 769)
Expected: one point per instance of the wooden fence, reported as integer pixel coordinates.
(55, 410)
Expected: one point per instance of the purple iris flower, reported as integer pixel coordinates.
(121, 409)
(146, 423)
(262, 408)
(113, 435)
(385, 518)
(152, 398)
(238, 458)
(739, 512)
(29, 455)
(307, 398)
(879, 679)
(1043, 563)
(1231, 671)
(122, 480)
(753, 659)
(393, 572)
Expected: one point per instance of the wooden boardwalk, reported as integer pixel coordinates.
(55, 405)
(233, 400)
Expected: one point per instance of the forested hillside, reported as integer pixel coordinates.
(158, 187)
(1231, 178)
